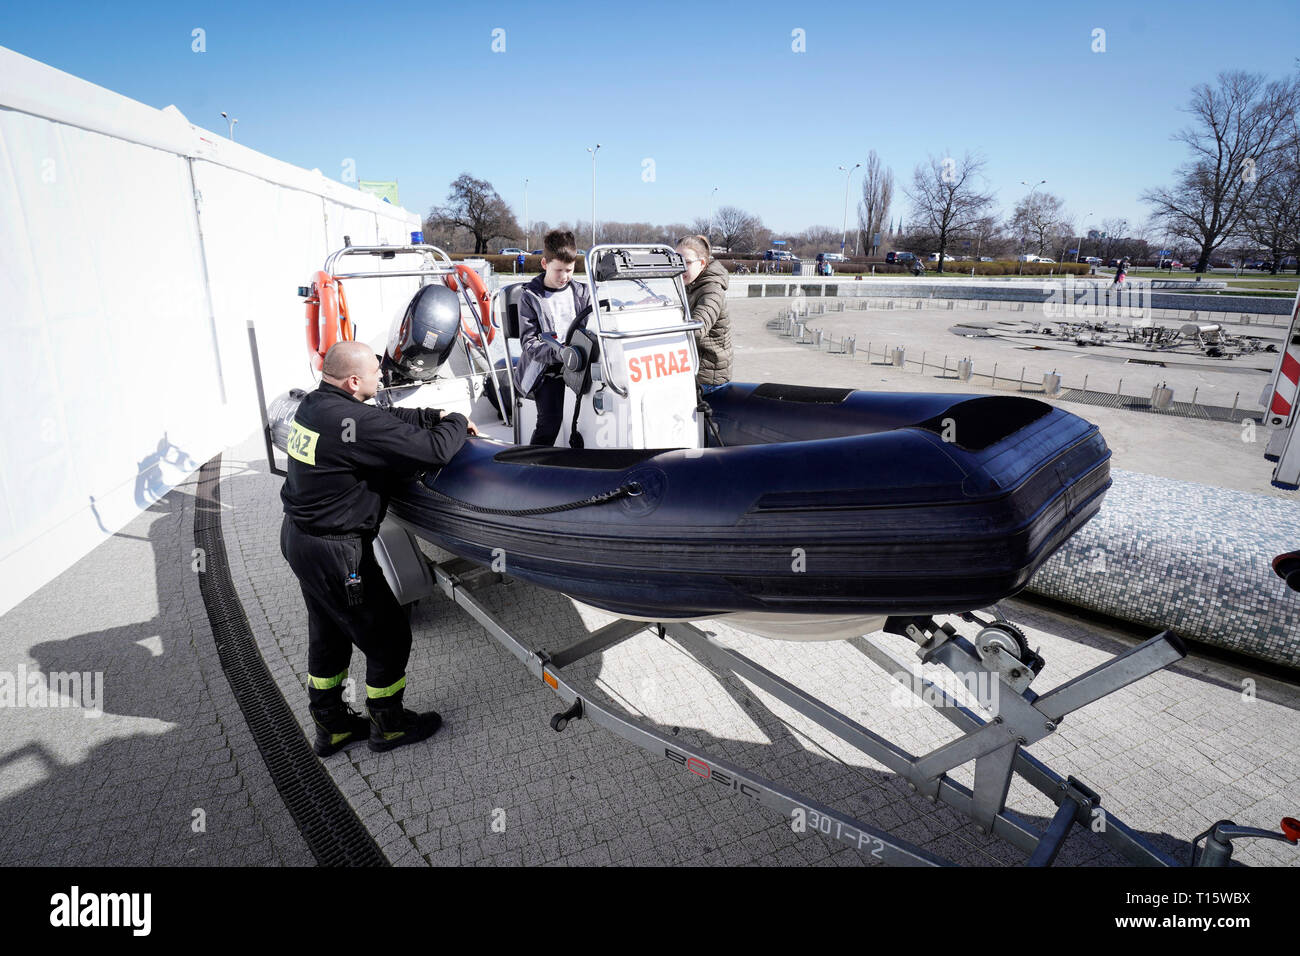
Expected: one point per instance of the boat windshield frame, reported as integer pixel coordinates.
(596, 324)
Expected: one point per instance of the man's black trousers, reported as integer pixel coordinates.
(378, 626)
(549, 399)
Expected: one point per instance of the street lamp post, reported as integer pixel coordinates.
(593, 192)
(712, 204)
(844, 231)
(527, 222)
(1078, 252)
(1020, 266)
(230, 125)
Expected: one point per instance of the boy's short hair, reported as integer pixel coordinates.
(560, 244)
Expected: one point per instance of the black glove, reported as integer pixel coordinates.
(554, 350)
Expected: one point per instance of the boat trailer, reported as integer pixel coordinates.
(999, 654)
(996, 746)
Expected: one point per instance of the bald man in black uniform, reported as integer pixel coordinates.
(344, 458)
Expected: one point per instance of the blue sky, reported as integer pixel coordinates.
(714, 94)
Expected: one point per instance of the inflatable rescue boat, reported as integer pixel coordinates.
(799, 512)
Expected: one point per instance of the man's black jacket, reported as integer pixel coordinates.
(345, 457)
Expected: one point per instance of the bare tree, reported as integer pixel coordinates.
(1038, 218)
(984, 237)
(1112, 234)
(627, 232)
(447, 235)
(674, 231)
(736, 230)
(877, 194)
(1272, 219)
(946, 199)
(475, 206)
(815, 239)
(1237, 127)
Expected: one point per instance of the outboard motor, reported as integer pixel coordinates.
(424, 338)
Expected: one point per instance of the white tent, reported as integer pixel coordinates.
(134, 248)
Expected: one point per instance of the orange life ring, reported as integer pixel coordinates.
(327, 317)
(481, 301)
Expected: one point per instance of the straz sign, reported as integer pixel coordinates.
(651, 366)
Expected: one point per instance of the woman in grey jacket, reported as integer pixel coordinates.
(706, 294)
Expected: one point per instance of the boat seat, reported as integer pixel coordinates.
(510, 296)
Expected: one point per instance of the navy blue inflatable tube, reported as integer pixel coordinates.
(822, 501)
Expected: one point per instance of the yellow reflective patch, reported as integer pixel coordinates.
(302, 444)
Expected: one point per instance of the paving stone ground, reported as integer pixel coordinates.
(1169, 755)
(168, 775)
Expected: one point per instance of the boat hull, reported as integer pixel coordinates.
(822, 502)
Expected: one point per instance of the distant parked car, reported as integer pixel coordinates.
(538, 252)
(986, 258)
(899, 257)
(1052, 261)
(512, 252)
(834, 257)
(1092, 260)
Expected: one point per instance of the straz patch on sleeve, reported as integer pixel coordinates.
(302, 444)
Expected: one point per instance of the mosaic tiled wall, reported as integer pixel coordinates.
(1187, 557)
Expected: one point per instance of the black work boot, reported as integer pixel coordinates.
(337, 725)
(392, 725)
